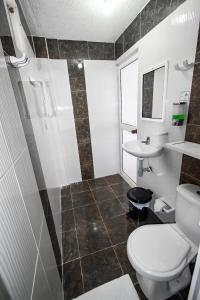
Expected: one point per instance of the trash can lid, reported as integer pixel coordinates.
(139, 195)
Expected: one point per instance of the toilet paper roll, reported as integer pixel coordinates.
(159, 205)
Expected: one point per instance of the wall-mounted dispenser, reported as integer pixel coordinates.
(179, 113)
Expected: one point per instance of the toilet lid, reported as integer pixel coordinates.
(158, 248)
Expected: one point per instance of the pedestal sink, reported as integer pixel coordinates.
(142, 150)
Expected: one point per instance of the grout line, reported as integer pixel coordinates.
(77, 242)
(34, 276)
(114, 245)
(107, 232)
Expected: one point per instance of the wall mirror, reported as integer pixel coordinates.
(153, 93)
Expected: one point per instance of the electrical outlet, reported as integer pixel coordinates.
(184, 96)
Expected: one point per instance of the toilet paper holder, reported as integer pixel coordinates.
(161, 206)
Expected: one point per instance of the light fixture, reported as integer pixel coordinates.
(106, 7)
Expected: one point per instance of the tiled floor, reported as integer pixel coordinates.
(95, 230)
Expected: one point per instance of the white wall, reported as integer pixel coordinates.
(101, 85)
(55, 136)
(174, 40)
(21, 212)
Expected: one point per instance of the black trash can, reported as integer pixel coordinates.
(139, 201)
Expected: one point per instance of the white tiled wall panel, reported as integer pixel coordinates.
(28, 186)
(21, 210)
(41, 288)
(9, 115)
(49, 263)
(5, 161)
(18, 249)
(101, 85)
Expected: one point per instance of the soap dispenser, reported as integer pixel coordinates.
(179, 113)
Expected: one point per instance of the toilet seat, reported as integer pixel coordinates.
(158, 251)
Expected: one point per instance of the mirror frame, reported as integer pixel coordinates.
(153, 68)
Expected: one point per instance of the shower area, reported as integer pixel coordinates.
(38, 133)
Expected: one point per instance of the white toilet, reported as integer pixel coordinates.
(161, 253)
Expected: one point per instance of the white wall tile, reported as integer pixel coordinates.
(41, 288)
(5, 160)
(49, 263)
(28, 186)
(101, 85)
(18, 249)
(9, 114)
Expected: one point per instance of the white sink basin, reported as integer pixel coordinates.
(141, 150)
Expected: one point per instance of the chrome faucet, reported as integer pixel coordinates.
(147, 141)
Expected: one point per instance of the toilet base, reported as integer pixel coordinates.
(161, 290)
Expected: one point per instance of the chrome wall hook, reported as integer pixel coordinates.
(186, 66)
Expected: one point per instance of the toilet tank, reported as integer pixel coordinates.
(188, 211)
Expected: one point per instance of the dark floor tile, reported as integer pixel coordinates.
(99, 268)
(119, 228)
(124, 202)
(110, 208)
(82, 199)
(140, 292)
(125, 264)
(175, 297)
(184, 293)
(97, 183)
(104, 193)
(120, 188)
(79, 187)
(148, 217)
(68, 222)
(87, 214)
(92, 237)
(70, 246)
(72, 280)
(112, 179)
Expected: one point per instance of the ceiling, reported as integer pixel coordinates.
(90, 20)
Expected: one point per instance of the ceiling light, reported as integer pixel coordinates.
(106, 7)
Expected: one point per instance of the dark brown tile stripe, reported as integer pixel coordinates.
(190, 171)
(40, 47)
(66, 49)
(79, 100)
(151, 15)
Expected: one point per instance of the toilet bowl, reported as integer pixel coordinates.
(161, 253)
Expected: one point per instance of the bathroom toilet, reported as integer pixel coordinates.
(161, 253)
